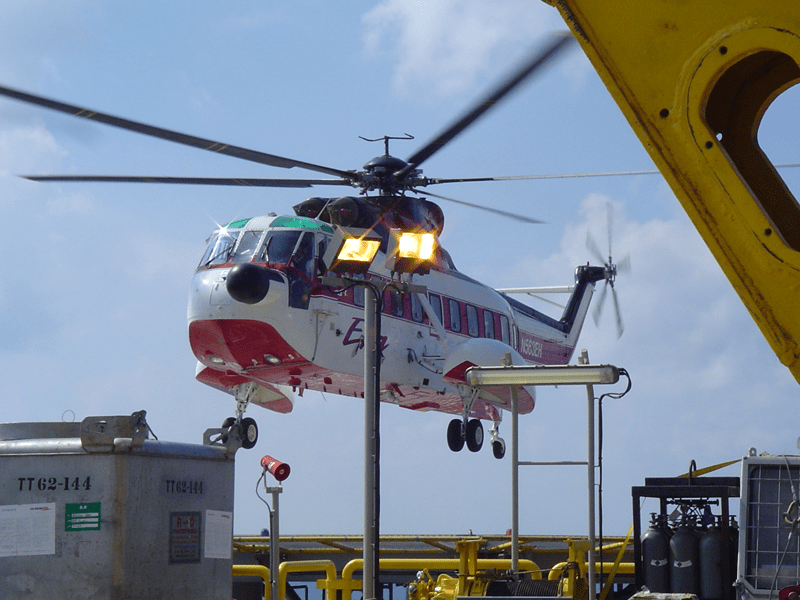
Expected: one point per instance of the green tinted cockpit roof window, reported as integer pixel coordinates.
(237, 224)
(300, 222)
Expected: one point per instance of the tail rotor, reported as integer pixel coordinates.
(611, 270)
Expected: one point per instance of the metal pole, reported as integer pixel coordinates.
(584, 360)
(274, 543)
(371, 465)
(514, 481)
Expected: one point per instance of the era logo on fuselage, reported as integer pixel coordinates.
(355, 335)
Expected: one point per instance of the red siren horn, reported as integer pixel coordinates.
(278, 469)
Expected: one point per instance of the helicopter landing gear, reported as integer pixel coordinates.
(455, 435)
(474, 435)
(465, 430)
(246, 429)
(498, 443)
(459, 433)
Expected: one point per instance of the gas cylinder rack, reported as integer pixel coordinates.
(679, 491)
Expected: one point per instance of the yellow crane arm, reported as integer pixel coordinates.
(694, 80)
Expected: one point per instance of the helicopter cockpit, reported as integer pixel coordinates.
(294, 246)
(234, 244)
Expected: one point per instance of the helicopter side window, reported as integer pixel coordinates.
(416, 309)
(246, 248)
(322, 245)
(219, 247)
(278, 247)
(396, 301)
(436, 305)
(488, 324)
(472, 321)
(455, 315)
(505, 333)
(303, 259)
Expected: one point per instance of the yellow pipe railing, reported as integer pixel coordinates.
(605, 567)
(254, 571)
(304, 566)
(444, 564)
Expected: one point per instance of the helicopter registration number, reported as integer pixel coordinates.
(530, 347)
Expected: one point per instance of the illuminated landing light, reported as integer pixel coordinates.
(272, 360)
(416, 245)
(216, 360)
(360, 250)
(410, 252)
(352, 250)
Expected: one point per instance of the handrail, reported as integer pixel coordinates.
(627, 568)
(448, 564)
(255, 571)
(304, 566)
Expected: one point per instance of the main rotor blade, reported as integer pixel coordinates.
(497, 211)
(438, 180)
(229, 181)
(489, 101)
(172, 136)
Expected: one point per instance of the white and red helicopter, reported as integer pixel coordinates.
(264, 327)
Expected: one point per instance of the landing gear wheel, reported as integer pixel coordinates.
(455, 435)
(249, 433)
(226, 425)
(498, 449)
(474, 435)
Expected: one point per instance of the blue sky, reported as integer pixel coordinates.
(93, 298)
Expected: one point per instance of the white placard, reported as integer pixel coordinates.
(219, 534)
(27, 529)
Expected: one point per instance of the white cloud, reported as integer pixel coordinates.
(445, 45)
(26, 149)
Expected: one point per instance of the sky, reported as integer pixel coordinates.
(96, 277)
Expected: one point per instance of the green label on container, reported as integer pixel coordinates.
(82, 516)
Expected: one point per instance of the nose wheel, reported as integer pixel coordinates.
(239, 426)
(469, 433)
(246, 429)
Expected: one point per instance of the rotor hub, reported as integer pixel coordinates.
(382, 172)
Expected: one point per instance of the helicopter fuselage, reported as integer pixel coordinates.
(302, 335)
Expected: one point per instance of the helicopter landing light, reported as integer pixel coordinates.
(410, 251)
(216, 360)
(352, 250)
(272, 360)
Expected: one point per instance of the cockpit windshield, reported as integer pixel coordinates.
(248, 244)
(219, 247)
(278, 247)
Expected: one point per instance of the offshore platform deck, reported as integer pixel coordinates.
(333, 562)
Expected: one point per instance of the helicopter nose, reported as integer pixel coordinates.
(248, 283)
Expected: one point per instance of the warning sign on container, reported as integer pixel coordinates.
(184, 537)
(219, 534)
(82, 516)
(27, 529)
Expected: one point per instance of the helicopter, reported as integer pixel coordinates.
(265, 326)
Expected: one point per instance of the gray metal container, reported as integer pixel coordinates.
(94, 510)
